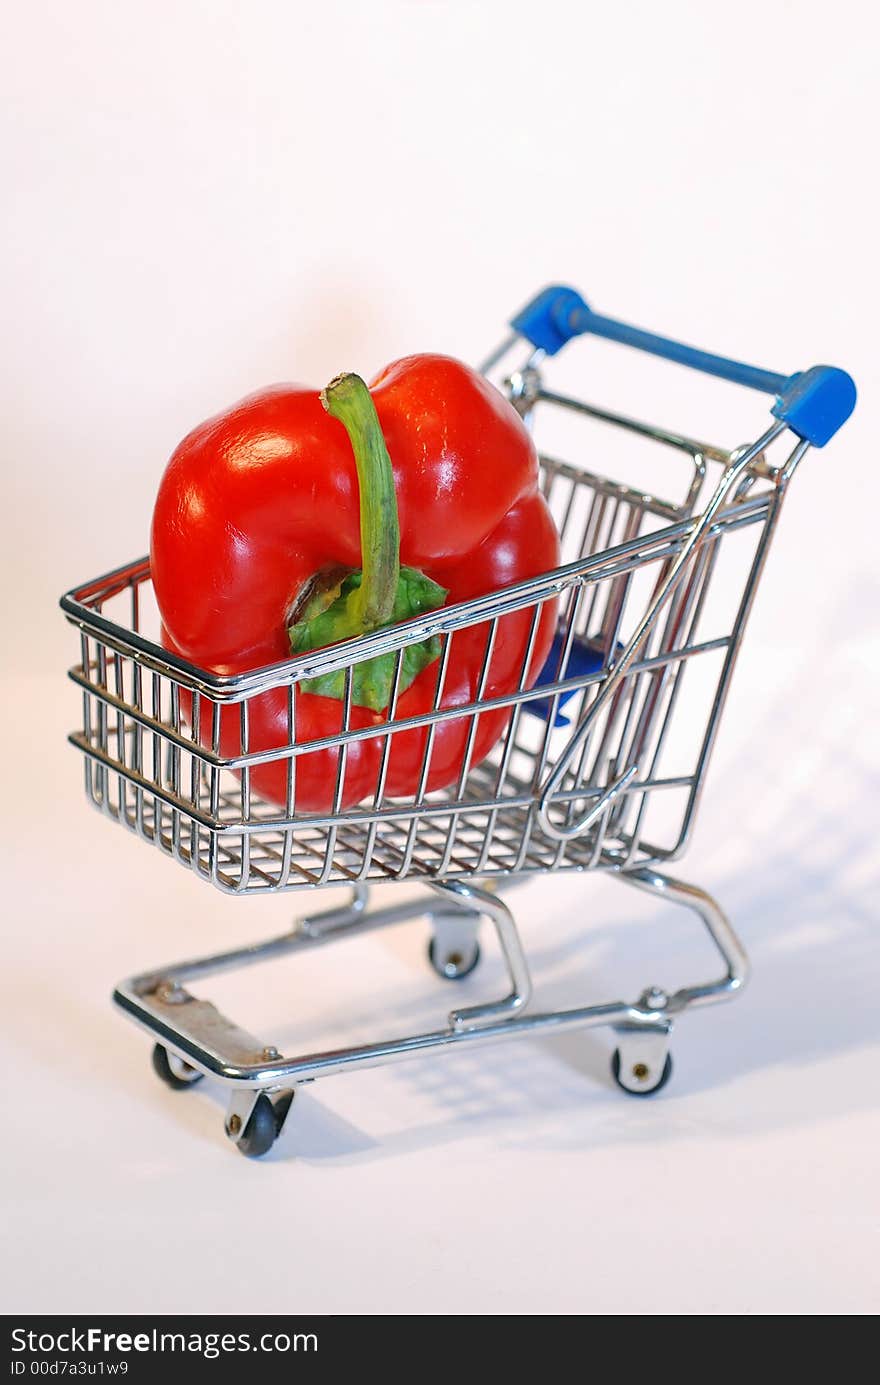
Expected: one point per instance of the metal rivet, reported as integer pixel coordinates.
(234, 1124)
(170, 992)
(270, 1051)
(641, 1071)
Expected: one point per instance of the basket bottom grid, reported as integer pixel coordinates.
(418, 844)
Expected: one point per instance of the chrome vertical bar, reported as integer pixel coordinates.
(413, 830)
(244, 726)
(379, 795)
(473, 723)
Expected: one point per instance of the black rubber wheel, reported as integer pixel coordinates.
(457, 975)
(177, 1077)
(648, 1091)
(261, 1129)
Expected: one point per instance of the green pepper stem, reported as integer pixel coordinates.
(371, 605)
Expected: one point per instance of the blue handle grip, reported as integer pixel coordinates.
(814, 403)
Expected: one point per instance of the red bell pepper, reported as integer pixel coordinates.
(281, 526)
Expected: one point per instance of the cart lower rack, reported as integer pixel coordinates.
(600, 765)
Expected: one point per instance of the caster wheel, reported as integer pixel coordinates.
(260, 1131)
(173, 1071)
(453, 966)
(644, 1081)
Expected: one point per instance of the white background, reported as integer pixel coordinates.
(204, 197)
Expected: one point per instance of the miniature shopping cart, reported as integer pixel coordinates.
(600, 767)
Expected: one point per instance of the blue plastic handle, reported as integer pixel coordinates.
(813, 403)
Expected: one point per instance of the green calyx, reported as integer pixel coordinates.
(371, 681)
(379, 594)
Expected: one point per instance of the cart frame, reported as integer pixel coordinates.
(546, 799)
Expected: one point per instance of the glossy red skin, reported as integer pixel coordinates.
(258, 499)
